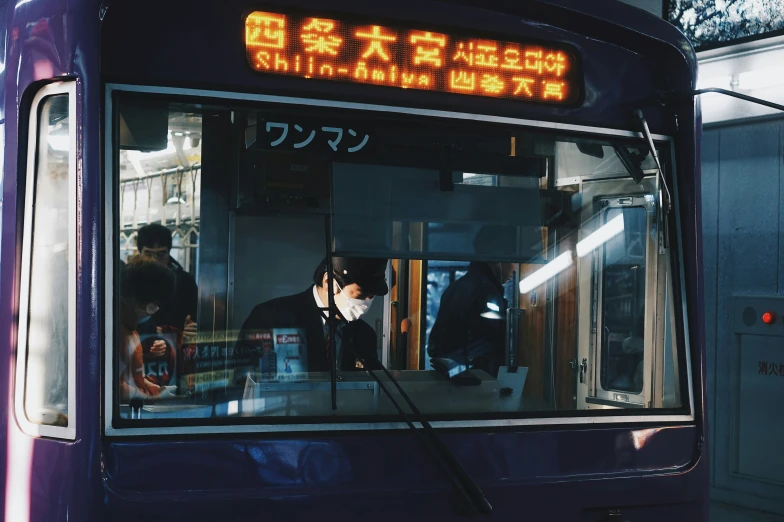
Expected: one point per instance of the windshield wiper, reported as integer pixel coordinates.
(665, 198)
(333, 360)
(465, 486)
(632, 162)
(655, 155)
(472, 496)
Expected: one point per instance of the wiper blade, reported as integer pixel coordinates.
(665, 198)
(464, 485)
(631, 161)
(333, 359)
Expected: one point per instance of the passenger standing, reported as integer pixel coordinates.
(154, 242)
(143, 284)
(472, 314)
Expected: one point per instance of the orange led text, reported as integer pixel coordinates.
(327, 49)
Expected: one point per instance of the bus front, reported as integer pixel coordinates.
(493, 202)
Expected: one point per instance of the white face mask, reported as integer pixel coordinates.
(351, 309)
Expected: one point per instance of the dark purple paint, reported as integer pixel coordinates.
(353, 462)
(553, 474)
(614, 71)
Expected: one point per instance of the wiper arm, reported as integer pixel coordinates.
(333, 360)
(465, 486)
(665, 201)
(467, 501)
(655, 156)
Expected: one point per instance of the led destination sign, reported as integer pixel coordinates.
(330, 49)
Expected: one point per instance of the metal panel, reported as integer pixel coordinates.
(711, 143)
(748, 316)
(780, 160)
(761, 415)
(747, 263)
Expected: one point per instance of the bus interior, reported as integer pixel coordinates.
(256, 193)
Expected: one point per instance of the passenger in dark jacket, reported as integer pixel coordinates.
(154, 241)
(472, 314)
(356, 282)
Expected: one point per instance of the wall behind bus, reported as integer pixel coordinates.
(743, 225)
(652, 6)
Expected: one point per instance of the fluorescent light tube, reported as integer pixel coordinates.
(548, 271)
(605, 233)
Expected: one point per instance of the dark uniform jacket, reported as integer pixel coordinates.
(460, 327)
(300, 311)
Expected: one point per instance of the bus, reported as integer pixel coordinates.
(348, 260)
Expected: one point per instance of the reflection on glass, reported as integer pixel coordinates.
(605, 233)
(440, 241)
(160, 216)
(46, 382)
(440, 274)
(547, 272)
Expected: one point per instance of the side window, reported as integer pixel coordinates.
(45, 366)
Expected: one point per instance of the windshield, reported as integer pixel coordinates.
(497, 270)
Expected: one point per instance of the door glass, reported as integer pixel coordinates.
(623, 300)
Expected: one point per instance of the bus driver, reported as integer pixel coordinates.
(356, 282)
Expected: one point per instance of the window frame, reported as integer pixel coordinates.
(31, 175)
(361, 424)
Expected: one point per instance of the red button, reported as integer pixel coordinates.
(768, 318)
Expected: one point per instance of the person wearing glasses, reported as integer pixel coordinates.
(143, 284)
(154, 242)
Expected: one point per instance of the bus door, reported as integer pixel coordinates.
(620, 310)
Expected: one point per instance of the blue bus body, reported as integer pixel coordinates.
(555, 471)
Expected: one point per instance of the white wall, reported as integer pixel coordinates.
(725, 67)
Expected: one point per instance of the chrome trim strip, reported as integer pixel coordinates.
(368, 426)
(109, 262)
(33, 136)
(682, 273)
(380, 108)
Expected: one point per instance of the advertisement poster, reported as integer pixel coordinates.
(283, 355)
